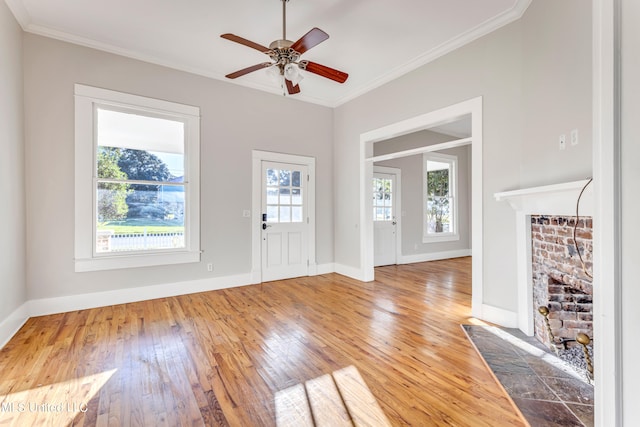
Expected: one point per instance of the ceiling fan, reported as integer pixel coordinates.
(285, 55)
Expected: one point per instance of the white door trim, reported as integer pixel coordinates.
(426, 121)
(258, 157)
(398, 205)
(607, 293)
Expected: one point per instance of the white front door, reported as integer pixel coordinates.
(384, 219)
(284, 221)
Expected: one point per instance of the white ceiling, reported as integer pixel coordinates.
(374, 41)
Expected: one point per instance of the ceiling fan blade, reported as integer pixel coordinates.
(246, 42)
(324, 71)
(291, 88)
(314, 37)
(248, 70)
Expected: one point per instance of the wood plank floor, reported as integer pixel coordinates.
(219, 358)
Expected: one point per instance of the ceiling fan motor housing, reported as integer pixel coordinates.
(282, 54)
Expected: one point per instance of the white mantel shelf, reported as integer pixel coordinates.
(556, 199)
(553, 200)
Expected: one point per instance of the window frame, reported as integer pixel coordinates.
(87, 100)
(453, 235)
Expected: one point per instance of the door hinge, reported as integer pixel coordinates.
(307, 177)
(307, 220)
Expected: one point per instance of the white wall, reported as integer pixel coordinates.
(492, 67)
(12, 246)
(412, 192)
(234, 121)
(630, 183)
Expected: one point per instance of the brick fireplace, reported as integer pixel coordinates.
(544, 229)
(559, 279)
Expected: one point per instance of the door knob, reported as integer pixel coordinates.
(265, 225)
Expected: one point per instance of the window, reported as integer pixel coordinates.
(284, 195)
(440, 203)
(137, 181)
(382, 198)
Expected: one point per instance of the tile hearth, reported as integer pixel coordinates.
(545, 389)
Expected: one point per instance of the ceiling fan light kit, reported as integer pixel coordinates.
(285, 55)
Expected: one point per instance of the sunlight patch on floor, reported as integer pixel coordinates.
(338, 399)
(53, 404)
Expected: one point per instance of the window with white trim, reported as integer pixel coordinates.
(440, 198)
(137, 181)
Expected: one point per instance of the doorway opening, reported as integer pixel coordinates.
(441, 117)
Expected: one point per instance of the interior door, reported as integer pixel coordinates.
(284, 221)
(384, 219)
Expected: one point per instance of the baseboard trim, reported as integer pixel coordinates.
(353, 272)
(45, 306)
(325, 269)
(499, 316)
(434, 256)
(13, 323)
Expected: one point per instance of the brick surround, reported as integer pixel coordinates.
(559, 281)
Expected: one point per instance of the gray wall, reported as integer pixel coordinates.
(12, 243)
(557, 94)
(630, 236)
(491, 67)
(234, 121)
(412, 191)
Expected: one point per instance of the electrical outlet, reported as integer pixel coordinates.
(574, 137)
(210, 266)
(563, 141)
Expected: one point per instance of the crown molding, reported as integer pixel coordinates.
(175, 65)
(19, 12)
(519, 8)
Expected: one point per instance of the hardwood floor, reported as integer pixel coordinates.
(218, 358)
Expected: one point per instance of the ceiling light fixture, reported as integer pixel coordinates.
(285, 55)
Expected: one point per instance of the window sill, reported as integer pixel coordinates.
(441, 238)
(134, 261)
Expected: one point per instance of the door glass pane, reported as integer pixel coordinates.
(272, 176)
(272, 196)
(285, 178)
(387, 214)
(296, 196)
(284, 195)
(295, 179)
(382, 199)
(272, 214)
(285, 213)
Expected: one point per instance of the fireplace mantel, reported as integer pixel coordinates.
(557, 199)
